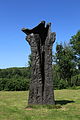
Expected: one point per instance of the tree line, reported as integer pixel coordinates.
(15, 79)
(66, 69)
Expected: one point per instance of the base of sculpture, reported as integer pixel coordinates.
(41, 40)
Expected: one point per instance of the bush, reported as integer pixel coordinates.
(13, 79)
(62, 84)
(75, 80)
(14, 84)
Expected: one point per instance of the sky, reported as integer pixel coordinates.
(17, 14)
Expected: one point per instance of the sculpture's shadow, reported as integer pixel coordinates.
(63, 102)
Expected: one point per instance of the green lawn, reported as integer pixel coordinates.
(12, 106)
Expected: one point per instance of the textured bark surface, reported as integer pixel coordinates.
(41, 40)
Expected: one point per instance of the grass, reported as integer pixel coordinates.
(13, 106)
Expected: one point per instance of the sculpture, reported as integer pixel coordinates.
(41, 40)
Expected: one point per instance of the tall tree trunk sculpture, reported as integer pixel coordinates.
(41, 40)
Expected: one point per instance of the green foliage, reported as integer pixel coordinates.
(63, 84)
(14, 84)
(66, 68)
(58, 83)
(14, 79)
(64, 59)
(76, 80)
(75, 44)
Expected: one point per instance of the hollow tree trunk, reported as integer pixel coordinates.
(41, 40)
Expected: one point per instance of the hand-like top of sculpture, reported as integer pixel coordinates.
(40, 29)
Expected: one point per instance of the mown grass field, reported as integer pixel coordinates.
(12, 106)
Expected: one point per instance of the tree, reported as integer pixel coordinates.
(64, 58)
(75, 44)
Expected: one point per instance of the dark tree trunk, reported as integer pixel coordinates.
(41, 40)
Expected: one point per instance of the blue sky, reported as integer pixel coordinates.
(16, 14)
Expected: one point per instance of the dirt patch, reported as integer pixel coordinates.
(28, 108)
